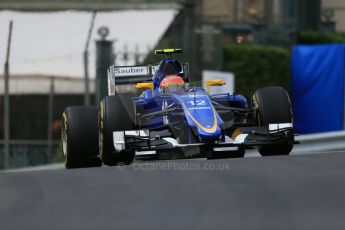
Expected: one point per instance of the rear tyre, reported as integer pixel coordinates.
(273, 106)
(116, 113)
(79, 137)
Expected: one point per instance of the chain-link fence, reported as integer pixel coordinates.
(47, 70)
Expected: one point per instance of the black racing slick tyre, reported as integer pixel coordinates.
(79, 137)
(273, 106)
(116, 113)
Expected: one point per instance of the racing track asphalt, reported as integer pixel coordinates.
(285, 192)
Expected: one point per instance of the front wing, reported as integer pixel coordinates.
(246, 138)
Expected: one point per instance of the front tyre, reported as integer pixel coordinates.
(272, 107)
(79, 137)
(116, 113)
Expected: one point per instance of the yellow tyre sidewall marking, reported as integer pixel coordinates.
(101, 124)
(256, 105)
(64, 121)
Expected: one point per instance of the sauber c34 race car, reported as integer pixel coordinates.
(169, 119)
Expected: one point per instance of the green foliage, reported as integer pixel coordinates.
(312, 37)
(257, 66)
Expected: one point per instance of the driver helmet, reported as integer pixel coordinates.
(172, 84)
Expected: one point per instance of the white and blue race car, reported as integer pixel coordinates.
(169, 119)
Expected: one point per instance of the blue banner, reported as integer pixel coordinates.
(318, 88)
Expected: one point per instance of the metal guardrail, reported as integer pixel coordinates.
(321, 142)
(29, 142)
(313, 144)
(26, 153)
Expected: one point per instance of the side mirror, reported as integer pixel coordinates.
(144, 85)
(215, 82)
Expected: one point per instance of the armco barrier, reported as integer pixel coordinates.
(321, 142)
(313, 144)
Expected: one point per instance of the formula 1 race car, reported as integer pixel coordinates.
(170, 119)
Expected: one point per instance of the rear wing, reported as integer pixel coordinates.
(130, 75)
